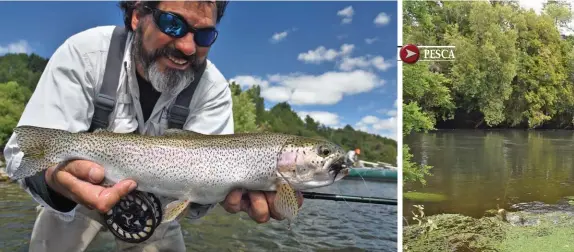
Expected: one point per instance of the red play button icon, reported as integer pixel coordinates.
(409, 54)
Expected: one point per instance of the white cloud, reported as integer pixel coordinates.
(364, 62)
(280, 36)
(325, 89)
(379, 63)
(21, 46)
(343, 58)
(347, 14)
(318, 55)
(321, 54)
(247, 81)
(346, 49)
(342, 36)
(303, 96)
(329, 87)
(351, 63)
(388, 112)
(382, 19)
(323, 117)
(281, 77)
(375, 125)
(276, 94)
(371, 40)
(369, 120)
(536, 5)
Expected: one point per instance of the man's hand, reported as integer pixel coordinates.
(78, 180)
(258, 205)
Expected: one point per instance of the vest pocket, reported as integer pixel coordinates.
(158, 126)
(125, 119)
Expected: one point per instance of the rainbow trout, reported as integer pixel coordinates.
(189, 167)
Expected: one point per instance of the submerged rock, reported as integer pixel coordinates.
(3, 175)
(532, 213)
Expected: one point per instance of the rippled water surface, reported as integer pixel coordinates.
(321, 225)
(478, 170)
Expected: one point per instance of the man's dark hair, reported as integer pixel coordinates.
(129, 6)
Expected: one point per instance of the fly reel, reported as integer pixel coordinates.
(135, 217)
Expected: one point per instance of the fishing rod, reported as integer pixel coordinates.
(349, 198)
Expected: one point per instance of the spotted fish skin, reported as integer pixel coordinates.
(187, 166)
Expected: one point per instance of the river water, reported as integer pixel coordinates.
(321, 226)
(479, 170)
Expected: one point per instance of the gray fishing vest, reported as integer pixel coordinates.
(106, 99)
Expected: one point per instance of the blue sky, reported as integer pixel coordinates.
(335, 61)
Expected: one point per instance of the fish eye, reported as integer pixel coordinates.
(324, 151)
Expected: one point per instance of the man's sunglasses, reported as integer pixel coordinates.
(174, 25)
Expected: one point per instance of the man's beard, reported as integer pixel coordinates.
(168, 80)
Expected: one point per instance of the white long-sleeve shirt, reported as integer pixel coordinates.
(64, 97)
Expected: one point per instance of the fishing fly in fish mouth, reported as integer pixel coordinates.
(185, 168)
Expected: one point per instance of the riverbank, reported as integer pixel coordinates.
(3, 175)
(529, 227)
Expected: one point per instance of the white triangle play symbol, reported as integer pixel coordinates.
(410, 53)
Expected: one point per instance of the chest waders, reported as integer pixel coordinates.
(136, 216)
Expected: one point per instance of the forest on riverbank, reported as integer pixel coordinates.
(19, 74)
(513, 69)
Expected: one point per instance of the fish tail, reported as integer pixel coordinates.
(37, 145)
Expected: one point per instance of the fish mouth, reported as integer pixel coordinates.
(339, 169)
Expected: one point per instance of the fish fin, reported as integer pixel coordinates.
(101, 131)
(286, 203)
(36, 144)
(174, 209)
(180, 133)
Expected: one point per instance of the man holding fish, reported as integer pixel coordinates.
(167, 43)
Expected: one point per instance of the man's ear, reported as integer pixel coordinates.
(135, 16)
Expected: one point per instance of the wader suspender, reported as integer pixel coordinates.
(106, 98)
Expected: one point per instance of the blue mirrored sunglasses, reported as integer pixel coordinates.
(174, 25)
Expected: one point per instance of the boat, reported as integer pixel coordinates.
(378, 174)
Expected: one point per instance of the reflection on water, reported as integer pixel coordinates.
(321, 225)
(478, 170)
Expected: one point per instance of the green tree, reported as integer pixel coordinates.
(513, 68)
(244, 113)
(13, 98)
(559, 11)
(21, 68)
